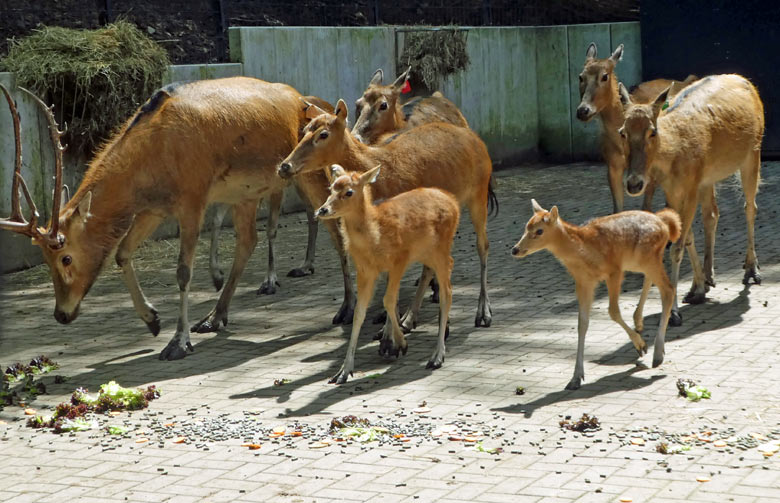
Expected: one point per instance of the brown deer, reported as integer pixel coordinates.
(602, 250)
(431, 155)
(379, 112)
(414, 226)
(188, 146)
(268, 286)
(712, 129)
(600, 97)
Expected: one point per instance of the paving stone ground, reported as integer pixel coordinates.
(730, 345)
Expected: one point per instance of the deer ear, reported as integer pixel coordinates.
(377, 78)
(401, 80)
(660, 101)
(370, 176)
(312, 110)
(536, 206)
(553, 214)
(64, 195)
(592, 52)
(341, 110)
(625, 98)
(336, 171)
(83, 208)
(618, 54)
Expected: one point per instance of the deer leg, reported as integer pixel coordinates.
(443, 274)
(687, 210)
(478, 212)
(246, 240)
(189, 224)
(347, 309)
(365, 291)
(585, 300)
(647, 202)
(698, 291)
(659, 277)
(409, 320)
(217, 275)
(395, 344)
(269, 284)
(751, 174)
(308, 264)
(143, 226)
(639, 321)
(709, 217)
(613, 286)
(615, 169)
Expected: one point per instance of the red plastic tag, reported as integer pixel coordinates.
(407, 88)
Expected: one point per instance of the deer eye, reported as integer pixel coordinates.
(383, 105)
(67, 260)
(539, 232)
(653, 132)
(605, 77)
(581, 78)
(349, 193)
(324, 135)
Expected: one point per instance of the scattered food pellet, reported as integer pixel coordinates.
(702, 479)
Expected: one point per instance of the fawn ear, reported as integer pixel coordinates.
(341, 110)
(660, 101)
(625, 98)
(592, 52)
(336, 171)
(370, 176)
(376, 79)
(553, 214)
(536, 206)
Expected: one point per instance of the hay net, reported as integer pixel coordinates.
(434, 54)
(95, 78)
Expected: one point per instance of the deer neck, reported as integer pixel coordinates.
(361, 225)
(357, 156)
(612, 118)
(570, 247)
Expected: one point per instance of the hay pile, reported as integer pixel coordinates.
(95, 78)
(434, 54)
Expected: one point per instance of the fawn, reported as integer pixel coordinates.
(602, 250)
(414, 226)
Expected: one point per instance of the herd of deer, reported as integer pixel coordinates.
(390, 191)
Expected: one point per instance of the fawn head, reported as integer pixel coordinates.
(640, 138)
(347, 191)
(375, 110)
(537, 233)
(322, 142)
(597, 82)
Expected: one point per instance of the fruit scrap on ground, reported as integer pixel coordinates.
(348, 421)
(586, 423)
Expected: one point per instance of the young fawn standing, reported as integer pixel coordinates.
(414, 226)
(602, 250)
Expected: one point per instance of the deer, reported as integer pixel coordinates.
(268, 286)
(598, 85)
(158, 164)
(709, 131)
(438, 155)
(387, 236)
(602, 250)
(379, 111)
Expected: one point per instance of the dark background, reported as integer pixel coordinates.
(708, 37)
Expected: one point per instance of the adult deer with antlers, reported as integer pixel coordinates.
(598, 83)
(436, 155)
(712, 129)
(158, 164)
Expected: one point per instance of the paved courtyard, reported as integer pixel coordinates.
(224, 395)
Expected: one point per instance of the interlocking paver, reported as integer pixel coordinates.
(729, 344)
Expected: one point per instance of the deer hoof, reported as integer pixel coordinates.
(435, 363)
(694, 297)
(658, 360)
(484, 316)
(300, 272)
(642, 351)
(675, 319)
(154, 325)
(575, 383)
(340, 378)
(173, 352)
(268, 287)
(752, 272)
(218, 280)
(345, 314)
(205, 326)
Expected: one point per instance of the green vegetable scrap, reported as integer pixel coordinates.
(361, 434)
(491, 450)
(116, 430)
(665, 448)
(692, 391)
(78, 424)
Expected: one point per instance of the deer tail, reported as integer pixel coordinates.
(672, 221)
(492, 198)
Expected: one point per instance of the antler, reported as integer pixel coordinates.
(16, 221)
(52, 236)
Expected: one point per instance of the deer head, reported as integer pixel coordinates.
(72, 270)
(376, 110)
(347, 192)
(539, 231)
(597, 82)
